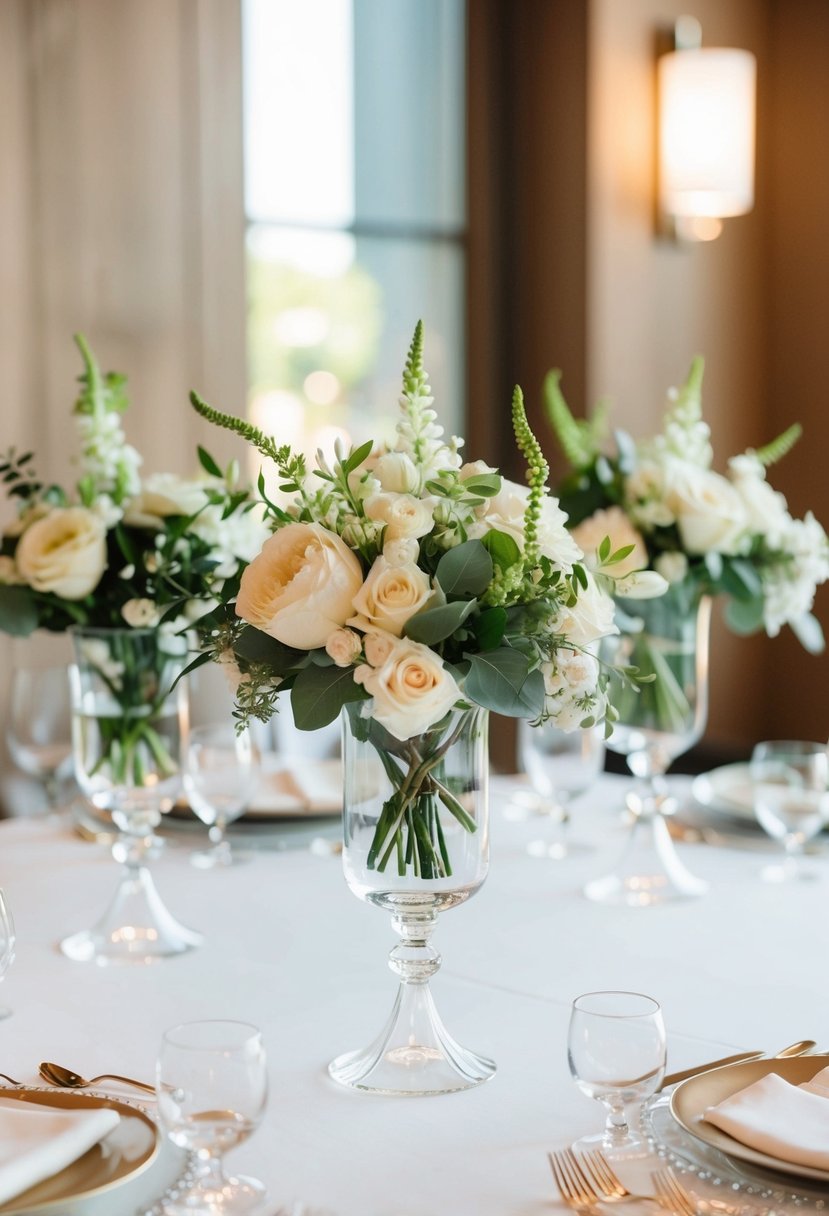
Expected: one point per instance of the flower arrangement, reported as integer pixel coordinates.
(703, 532)
(127, 563)
(403, 583)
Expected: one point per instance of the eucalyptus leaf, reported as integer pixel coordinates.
(744, 616)
(502, 548)
(489, 627)
(436, 624)
(741, 580)
(319, 693)
(465, 570)
(485, 484)
(501, 680)
(259, 647)
(18, 612)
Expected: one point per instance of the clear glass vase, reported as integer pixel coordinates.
(666, 637)
(127, 733)
(416, 842)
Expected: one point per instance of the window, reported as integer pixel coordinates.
(354, 189)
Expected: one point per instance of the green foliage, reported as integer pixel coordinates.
(437, 624)
(580, 439)
(465, 570)
(502, 680)
(99, 394)
(291, 468)
(779, 447)
(319, 693)
(536, 475)
(18, 611)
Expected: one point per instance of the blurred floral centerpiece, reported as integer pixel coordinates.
(125, 563)
(715, 534)
(409, 587)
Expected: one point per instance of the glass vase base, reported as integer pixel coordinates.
(649, 872)
(237, 1196)
(415, 1056)
(137, 928)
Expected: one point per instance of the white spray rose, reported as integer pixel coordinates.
(65, 553)
(397, 473)
(140, 614)
(673, 566)
(411, 691)
(404, 515)
(377, 646)
(590, 618)
(645, 496)
(390, 595)
(301, 586)
(164, 494)
(343, 646)
(403, 552)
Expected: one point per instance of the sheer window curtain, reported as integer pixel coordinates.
(121, 215)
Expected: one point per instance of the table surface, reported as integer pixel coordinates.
(289, 948)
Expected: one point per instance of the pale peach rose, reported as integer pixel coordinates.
(402, 552)
(411, 691)
(390, 595)
(614, 524)
(377, 646)
(343, 646)
(140, 614)
(403, 514)
(301, 587)
(65, 553)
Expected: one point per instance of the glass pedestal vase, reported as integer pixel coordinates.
(666, 637)
(416, 842)
(127, 735)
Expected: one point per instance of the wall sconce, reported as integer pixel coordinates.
(705, 152)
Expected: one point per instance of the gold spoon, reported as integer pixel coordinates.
(63, 1077)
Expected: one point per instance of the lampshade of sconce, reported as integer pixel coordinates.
(706, 132)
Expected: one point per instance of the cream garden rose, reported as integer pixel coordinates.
(709, 512)
(64, 553)
(404, 515)
(411, 691)
(391, 595)
(301, 587)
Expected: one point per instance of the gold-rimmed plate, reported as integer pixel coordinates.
(129, 1149)
(693, 1097)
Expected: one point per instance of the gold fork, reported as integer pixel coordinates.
(601, 1174)
(576, 1184)
(670, 1194)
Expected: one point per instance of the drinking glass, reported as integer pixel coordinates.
(790, 787)
(212, 1086)
(7, 943)
(39, 733)
(616, 1052)
(561, 765)
(220, 772)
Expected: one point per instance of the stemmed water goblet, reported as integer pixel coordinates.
(39, 733)
(790, 791)
(7, 944)
(220, 772)
(561, 765)
(212, 1085)
(616, 1051)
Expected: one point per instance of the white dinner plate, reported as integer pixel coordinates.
(693, 1097)
(306, 788)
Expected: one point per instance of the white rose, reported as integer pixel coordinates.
(65, 553)
(164, 494)
(404, 515)
(403, 552)
(301, 586)
(615, 524)
(390, 595)
(378, 645)
(573, 671)
(672, 566)
(506, 511)
(767, 512)
(140, 614)
(411, 691)
(397, 473)
(590, 618)
(343, 646)
(709, 512)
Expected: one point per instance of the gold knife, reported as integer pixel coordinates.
(673, 1078)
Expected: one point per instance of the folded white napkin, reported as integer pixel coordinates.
(783, 1120)
(37, 1142)
(310, 784)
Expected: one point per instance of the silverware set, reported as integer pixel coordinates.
(64, 1078)
(586, 1180)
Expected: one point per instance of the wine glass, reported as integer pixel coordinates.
(561, 766)
(790, 787)
(212, 1086)
(666, 640)
(219, 779)
(617, 1053)
(39, 733)
(7, 944)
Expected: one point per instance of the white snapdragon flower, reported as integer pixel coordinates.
(789, 583)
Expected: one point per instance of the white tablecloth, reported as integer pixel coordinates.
(289, 948)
